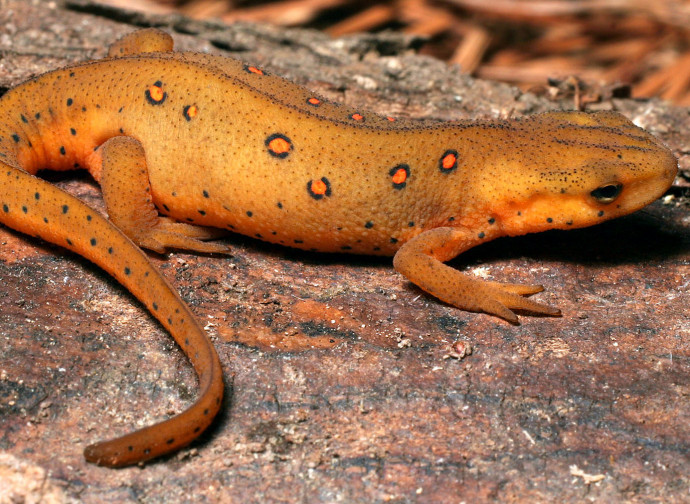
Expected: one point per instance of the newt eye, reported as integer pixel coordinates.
(607, 193)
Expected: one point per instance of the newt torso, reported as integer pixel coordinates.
(230, 147)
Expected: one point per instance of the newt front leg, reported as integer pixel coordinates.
(421, 261)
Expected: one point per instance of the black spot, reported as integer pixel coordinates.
(346, 247)
(410, 224)
(601, 213)
(492, 220)
(93, 242)
(166, 207)
(369, 225)
(549, 220)
(202, 212)
(280, 205)
(299, 241)
(73, 131)
(70, 101)
(258, 235)
(394, 240)
(62, 150)
(24, 120)
(110, 250)
(69, 242)
(206, 411)
(45, 219)
(89, 217)
(15, 137)
(37, 196)
(451, 219)
(249, 213)
(5, 208)
(481, 235)
(128, 271)
(147, 451)
(155, 306)
(24, 209)
(37, 115)
(170, 441)
(569, 223)
(205, 193)
(65, 209)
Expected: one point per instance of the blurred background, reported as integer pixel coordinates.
(638, 48)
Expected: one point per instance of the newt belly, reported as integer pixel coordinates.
(184, 142)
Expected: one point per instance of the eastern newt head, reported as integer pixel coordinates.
(575, 169)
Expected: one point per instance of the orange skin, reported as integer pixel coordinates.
(209, 142)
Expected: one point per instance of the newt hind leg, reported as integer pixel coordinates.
(421, 261)
(141, 41)
(127, 195)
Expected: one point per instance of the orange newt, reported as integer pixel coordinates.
(184, 142)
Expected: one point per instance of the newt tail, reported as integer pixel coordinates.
(33, 206)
